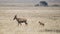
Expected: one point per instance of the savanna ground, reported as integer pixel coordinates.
(50, 16)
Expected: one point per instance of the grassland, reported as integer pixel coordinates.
(50, 16)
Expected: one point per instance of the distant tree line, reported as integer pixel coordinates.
(44, 3)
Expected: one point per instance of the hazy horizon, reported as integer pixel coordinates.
(28, 1)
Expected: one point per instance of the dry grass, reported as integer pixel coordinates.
(33, 15)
